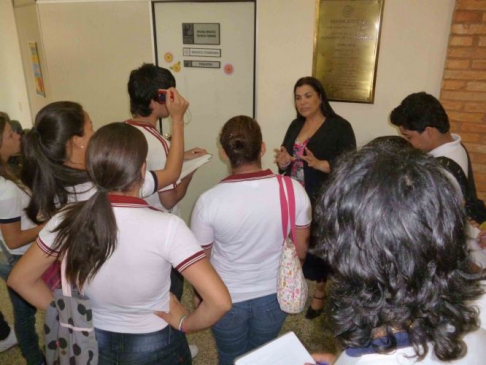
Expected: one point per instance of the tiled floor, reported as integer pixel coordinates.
(311, 333)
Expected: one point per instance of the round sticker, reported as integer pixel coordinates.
(176, 67)
(228, 69)
(168, 57)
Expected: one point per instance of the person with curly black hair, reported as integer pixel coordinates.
(392, 225)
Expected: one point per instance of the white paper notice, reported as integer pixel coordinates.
(285, 350)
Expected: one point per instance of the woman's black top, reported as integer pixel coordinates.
(333, 137)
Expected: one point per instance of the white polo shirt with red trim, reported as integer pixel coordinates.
(134, 282)
(240, 219)
(158, 150)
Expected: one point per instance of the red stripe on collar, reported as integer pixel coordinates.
(263, 174)
(123, 199)
(141, 124)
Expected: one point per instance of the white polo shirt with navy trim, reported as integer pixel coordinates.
(13, 201)
(240, 219)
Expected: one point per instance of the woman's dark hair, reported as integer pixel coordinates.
(4, 170)
(114, 160)
(392, 226)
(44, 154)
(143, 84)
(241, 138)
(419, 111)
(326, 108)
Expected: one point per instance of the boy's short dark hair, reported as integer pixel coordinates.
(419, 111)
(143, 85)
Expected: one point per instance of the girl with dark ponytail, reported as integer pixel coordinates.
(17, 232)
(54, 156)
(119, 251)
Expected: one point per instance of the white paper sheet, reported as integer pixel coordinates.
(285, 350)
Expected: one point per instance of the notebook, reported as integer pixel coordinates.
(191, 165)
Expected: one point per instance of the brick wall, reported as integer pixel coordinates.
(464, 85)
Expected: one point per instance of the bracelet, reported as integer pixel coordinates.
(181, 324)
(283, 166)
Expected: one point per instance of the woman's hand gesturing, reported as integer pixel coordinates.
(282, 157)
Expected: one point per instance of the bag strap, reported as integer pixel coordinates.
(66, 287)
(290, 192)
(283, 206)
(289, 208)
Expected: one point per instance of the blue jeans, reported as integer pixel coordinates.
(167, 346)
(246, 326)
(24, 317)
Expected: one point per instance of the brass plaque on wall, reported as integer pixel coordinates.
(346, 45)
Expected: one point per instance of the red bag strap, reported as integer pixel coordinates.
(287, 208)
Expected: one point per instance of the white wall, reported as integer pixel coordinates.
(90, 50)
(29, 30)
(13, 91)
(413, 47)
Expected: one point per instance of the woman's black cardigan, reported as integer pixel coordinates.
(333, 137)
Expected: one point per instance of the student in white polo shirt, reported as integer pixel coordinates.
(239, 224)
(119, 251)
(17, 233)
(147, 108)
(423, 121)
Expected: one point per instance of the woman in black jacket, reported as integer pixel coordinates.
(310, 148)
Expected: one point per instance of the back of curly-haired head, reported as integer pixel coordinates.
(419, 111)
(241, 139)
(391, 224)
